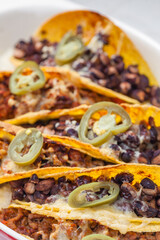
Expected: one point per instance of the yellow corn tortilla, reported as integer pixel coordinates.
(92, 23)
(61, 75)
(12, 130)
(137, 114)
(33, 117)
(105, 214)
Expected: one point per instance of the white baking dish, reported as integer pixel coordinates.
(19, 20)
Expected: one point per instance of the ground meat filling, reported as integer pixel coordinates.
(41, 227)
(53, 155)
(56, 94)
(141, 143)
(141, 198)
(3, 148)
(95, 64)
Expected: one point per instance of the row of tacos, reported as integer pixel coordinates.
(74, 199)
(64, 126)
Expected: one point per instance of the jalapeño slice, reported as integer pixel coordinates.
(26, 146)
(77, 198)
(26, 78)
(106, 127)
(69, 48)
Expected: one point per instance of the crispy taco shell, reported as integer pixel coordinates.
(106, 215)
(137, 114)
(5, 189)
(57, 89)
(9, 131)
(92, 23)
(45, 228)
(56, 152)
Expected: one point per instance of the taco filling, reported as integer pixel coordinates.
(46, 228)
(137, 144)
(57, 93)
(118, 194)
(50, 154)
(92, 62)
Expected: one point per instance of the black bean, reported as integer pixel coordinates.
(126, 157)
(101, 178)
(155, 96)
(96, 73)
(139, 95)
(29, 198)
(158, 202)
(125, 87)
(17, 183)
(39, 197)
(139, 208)
(115, 147)
(104, 58)
(152, 212)
(29, 188)
(113, 82)
(150, 192)
(156, 157)
(153, 134)
(72, 133)
(91, 196)
(144, 82)
(143, 158)
(18, 194)
(124, 177)
(120, 67)
(146, 198)
(61, 180)
(103, 37)
(148, 183)
(34, 179)
(117, 58)
(127, 191)
(83, 180)
(79, 29)
(133, 141)
(45, 185)
(133, 69)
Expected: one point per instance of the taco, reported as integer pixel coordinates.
(29, 89)
(30, 150)
(136, 141)
(122, 197)
(100, 52)
(48, 228)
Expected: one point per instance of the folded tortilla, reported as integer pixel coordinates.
(61, 91)
(138, 113)
(109, 215)
(49, 228)
(92, 23)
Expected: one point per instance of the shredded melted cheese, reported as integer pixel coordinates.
(5, 196)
